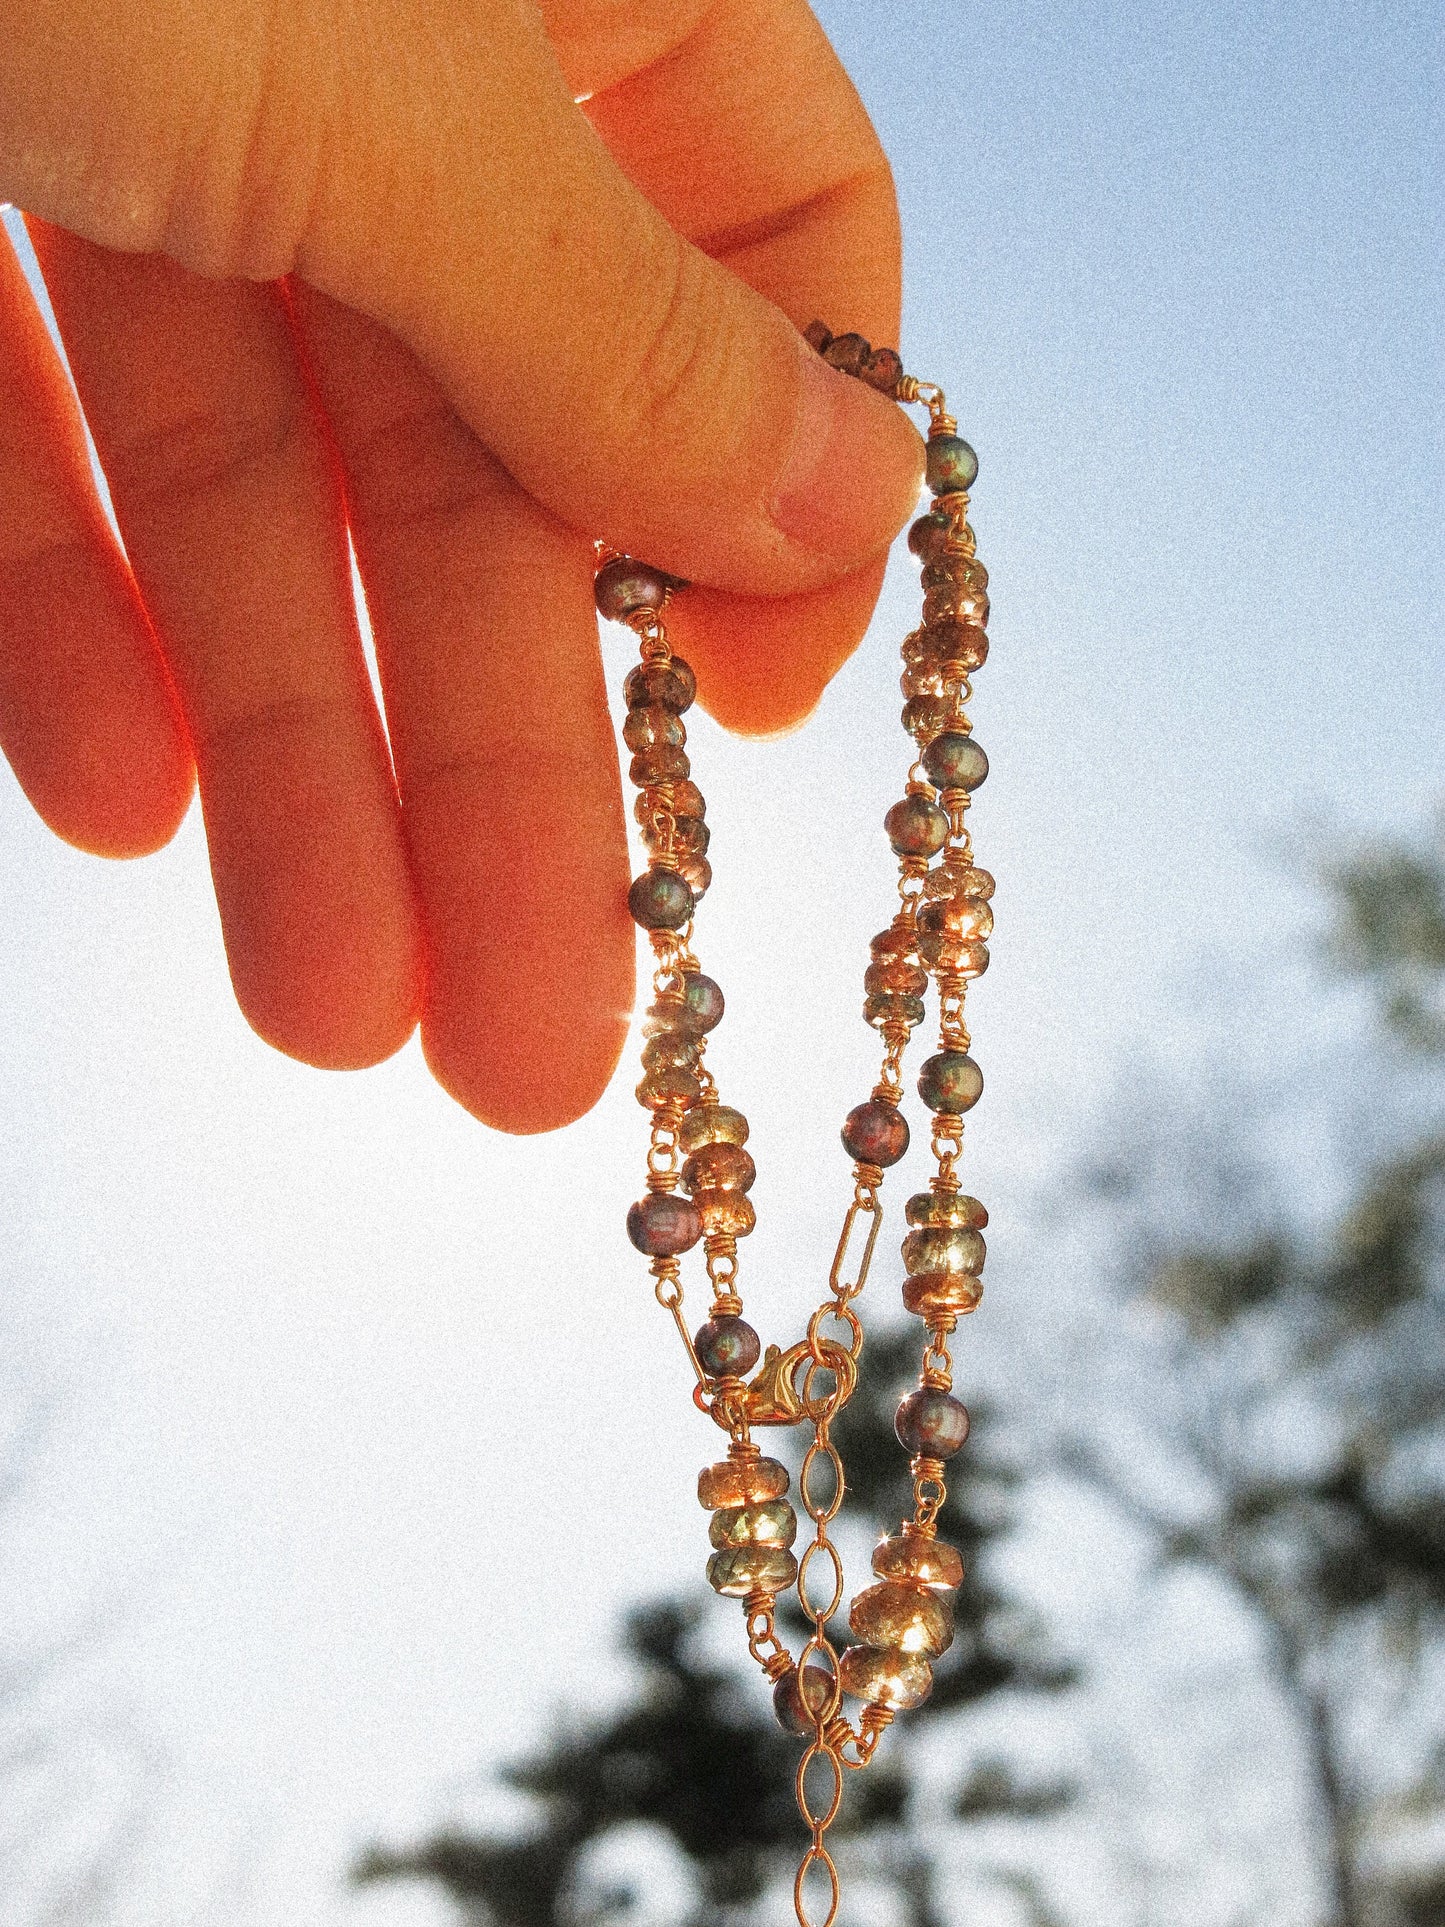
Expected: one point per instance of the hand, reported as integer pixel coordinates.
(508, 323)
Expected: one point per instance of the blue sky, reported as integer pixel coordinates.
(1180, 267)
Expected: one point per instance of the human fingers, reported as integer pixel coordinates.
(630, 383)
(486, 638)
(223, 490)
(88, 718)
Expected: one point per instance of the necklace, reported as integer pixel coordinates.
(699, 1171)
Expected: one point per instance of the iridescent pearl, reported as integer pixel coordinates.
(931, 1424)
(875, 1133)
(745, 1481)
(951, 464)
(653, 727)
(671, 685)
(916, 827)
(744, 1569)
(944, 1247)
(945, 1207)
(624, 587)
(955, 761)
(772, 1523)
(719, 1167)
(796, 1702)
(950, 1082)
(703, 1001)
(660, 900)
(711, 1124)
(662, 1225)
(918, 1557)
(908, 1618)
(727, 1348)
(929, 535)
(893, 1679)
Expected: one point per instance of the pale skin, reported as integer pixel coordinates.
(368, 265)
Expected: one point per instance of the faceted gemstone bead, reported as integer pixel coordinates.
(712, 1124)
(671, 1047)
(908, 1618)
(696, 873)
(944, 1247)
(690, 835)
(951, 1082)
(942, 949)
(955, 641)
(746, 1481)
(892, 942)
(719, 1167)
(663, 764)
(945, 1207)
(896, 973)
(727, 1348)
(883, 370)
(624, 587)
(796, 1702)
(893, 1007)
(918, 1557)
(669, 1084)
(930, 534)
(974, 882)
(662, 1225)
(727, 1211)
(946, 600)
(950, 464)
(703, 1001)
(653, 727)
(687, 800)
(916, 827)
(660, 900)
(847, 353)
(670, 685)
(875, 1133)
(970, 918)
(931, 1424)
(924, 716)
(744, 1569)
(817, 335)
(955, 761)
(771, 1523)
(942, 1294)
(885, 1678)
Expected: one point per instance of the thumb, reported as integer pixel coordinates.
(424, 162)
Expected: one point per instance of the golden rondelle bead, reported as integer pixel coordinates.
(904, 1617)
(711, 1124)
(934, 1294)
(728, 1211)
(741, 1482)
(944, 1247)
(773, 1523)
(744, 1569)
(881, 1678)
(918, 1557)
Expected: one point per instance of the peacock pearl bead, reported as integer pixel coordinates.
(848, 354)
(670, 1086)
(727, 1347)
(885, 1678)
(919, 1557)
(624, 587)
(745, 1481)
(951, 1082)
(950, 465)
(944, 1247)
(945, 1207)
(929, 536)
(744, 1569)
(909, 1619)
(670, 684)
(719, 1167)
(955, 761)
(931, 1424)
(703, 1001)
(662, 1225)
(660, 900)
(916, 827)
(711, 1124)
(727, 1211)
(662, 764)
(896, 973)
(771, 1523)
(884, 1007)
(797, 1702)
(653, 727)
(875, 1133)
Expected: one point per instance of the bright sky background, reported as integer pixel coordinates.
(307, 1340)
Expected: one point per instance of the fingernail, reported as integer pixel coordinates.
(853, 473)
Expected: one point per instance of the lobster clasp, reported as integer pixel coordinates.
(773, 1397)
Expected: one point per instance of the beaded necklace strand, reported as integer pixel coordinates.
(699, 1172)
